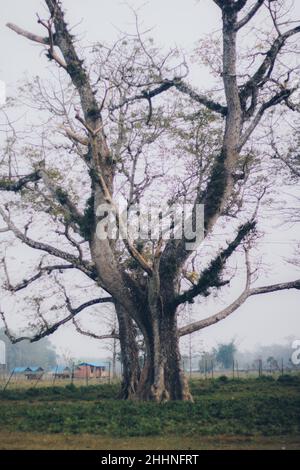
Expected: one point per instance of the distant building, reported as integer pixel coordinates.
(35, 373)
(29, 373)
(61, 372)
(91, 370)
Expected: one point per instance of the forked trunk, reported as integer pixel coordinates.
(162, 378)
(129, 355)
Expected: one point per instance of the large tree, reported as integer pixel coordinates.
(118, 140)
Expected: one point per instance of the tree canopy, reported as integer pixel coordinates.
(127, 124)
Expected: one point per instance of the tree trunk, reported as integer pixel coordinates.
(162, 378)
(129, 354)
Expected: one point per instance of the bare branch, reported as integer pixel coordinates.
(48, 330)
(293, 168)
(28, 35)
(188, 329)
(181, 86)
(46, 41)
(75, 137)
(275, 287)
(84, 332)
(249, 15)
(196, 326)
(42, 270)
(62, 198)
(127, 242)
(38, 336)
(82, 265)
(74, 65)
(90, 303)
(199, 325)
(7, 184)
(200, 98)
(265, 69)
(211, 276)
(280, 97)
(146, 94)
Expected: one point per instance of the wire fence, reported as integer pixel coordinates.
(209, 369)
(14, 379)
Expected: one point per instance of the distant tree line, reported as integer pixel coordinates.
(225, 356)
(25, 353)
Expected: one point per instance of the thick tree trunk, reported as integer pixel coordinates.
(162, 378)
(129, 354)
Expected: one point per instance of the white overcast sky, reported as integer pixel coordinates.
(262, 320)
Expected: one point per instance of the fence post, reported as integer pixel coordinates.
(54, 378)
(39, 378)
(9, 378)
(259, 367)
(72, 373)
(212, 369)
(233, 369)
(86, 376)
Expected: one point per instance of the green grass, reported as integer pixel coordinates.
(60, 393)
(245, 407)
(25, 441)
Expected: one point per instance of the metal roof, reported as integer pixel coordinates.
(94, 364)
(21, 370)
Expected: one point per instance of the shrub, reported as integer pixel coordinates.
(222, 379)
(266, 378)
(289, 379)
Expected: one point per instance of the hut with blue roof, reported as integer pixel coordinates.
(28, 372)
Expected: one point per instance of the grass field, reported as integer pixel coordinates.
(21, 441)
(227, 414)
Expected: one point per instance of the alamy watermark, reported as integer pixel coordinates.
(2, 93)
(152, 222)
(295, 358)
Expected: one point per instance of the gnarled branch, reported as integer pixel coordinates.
(90, 334)
(211, 275)
(248, 292)
(280, 97)
(200, 98)
(265, 69)
(8, 184)
(48, 330)
(42, 270)
(84, 266)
